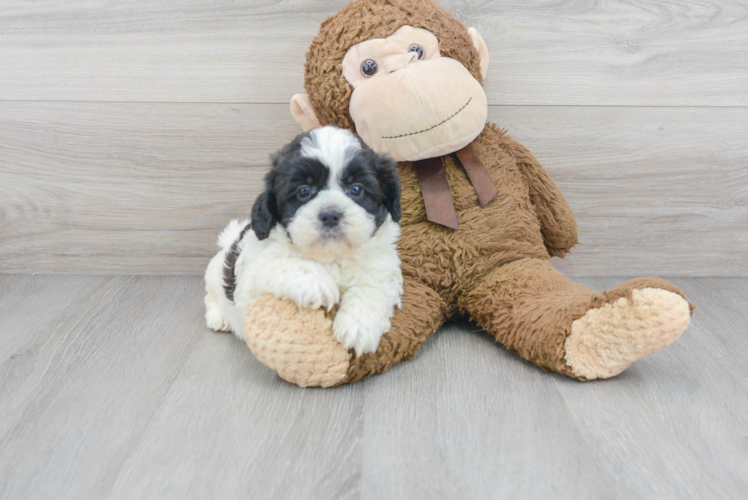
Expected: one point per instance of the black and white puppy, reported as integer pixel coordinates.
(323, 233)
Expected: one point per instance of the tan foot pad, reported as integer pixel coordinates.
(605, 341)
(296, 343)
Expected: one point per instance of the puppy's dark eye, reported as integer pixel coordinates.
(369, 68)
(304, 193)
(414, 47)
(355, 191)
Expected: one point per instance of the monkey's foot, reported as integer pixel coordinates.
(297, 343)
(606, 340)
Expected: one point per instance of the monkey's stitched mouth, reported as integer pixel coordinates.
(430, 128)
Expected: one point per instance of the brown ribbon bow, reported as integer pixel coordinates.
(437, 197)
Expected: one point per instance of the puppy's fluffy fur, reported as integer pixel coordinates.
(323, 233)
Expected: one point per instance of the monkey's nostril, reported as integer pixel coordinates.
(403, 62)
(330, 218)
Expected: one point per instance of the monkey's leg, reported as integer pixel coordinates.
(423, 311)
(561, 326)
(299, 345)
(296, 343)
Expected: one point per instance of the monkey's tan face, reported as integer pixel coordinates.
(408, 100)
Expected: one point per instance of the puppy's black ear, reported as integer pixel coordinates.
(264, 215)
(389, 183)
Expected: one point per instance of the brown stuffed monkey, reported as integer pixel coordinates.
(407, 76)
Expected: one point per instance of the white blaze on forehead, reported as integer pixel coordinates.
(332, 146)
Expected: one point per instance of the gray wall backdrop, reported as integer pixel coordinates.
(131, 132)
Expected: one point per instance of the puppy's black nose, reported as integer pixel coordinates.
(330, 218)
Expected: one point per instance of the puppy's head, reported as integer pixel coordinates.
(329, 191)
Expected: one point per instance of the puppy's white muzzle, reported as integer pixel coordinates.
(331, 225)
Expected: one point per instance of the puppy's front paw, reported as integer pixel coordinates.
(359, 329)
(314, 291)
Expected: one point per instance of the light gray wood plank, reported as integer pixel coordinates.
(474, 421)
(723, 303)
(145, 188)
(679, 53)
(85, 383)
(118, 407)
(468, 419)
(137, 399)
(27, 306)
(140, 188)
(672, 425)
(656, 191)
(230, 428)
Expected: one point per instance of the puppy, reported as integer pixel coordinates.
(323, 233)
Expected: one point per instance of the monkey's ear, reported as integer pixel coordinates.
(303, 112)
(264, 217)
(389, 183)
(480, 46)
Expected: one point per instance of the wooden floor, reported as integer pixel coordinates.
(112, 387)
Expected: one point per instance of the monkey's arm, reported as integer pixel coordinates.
(557, 222)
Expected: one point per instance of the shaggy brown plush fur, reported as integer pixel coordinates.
(329, 92)
(496, 268)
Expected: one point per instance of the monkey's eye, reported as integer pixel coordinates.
(356, 191)
(414, 47)
(369, 68)
(304, 193)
